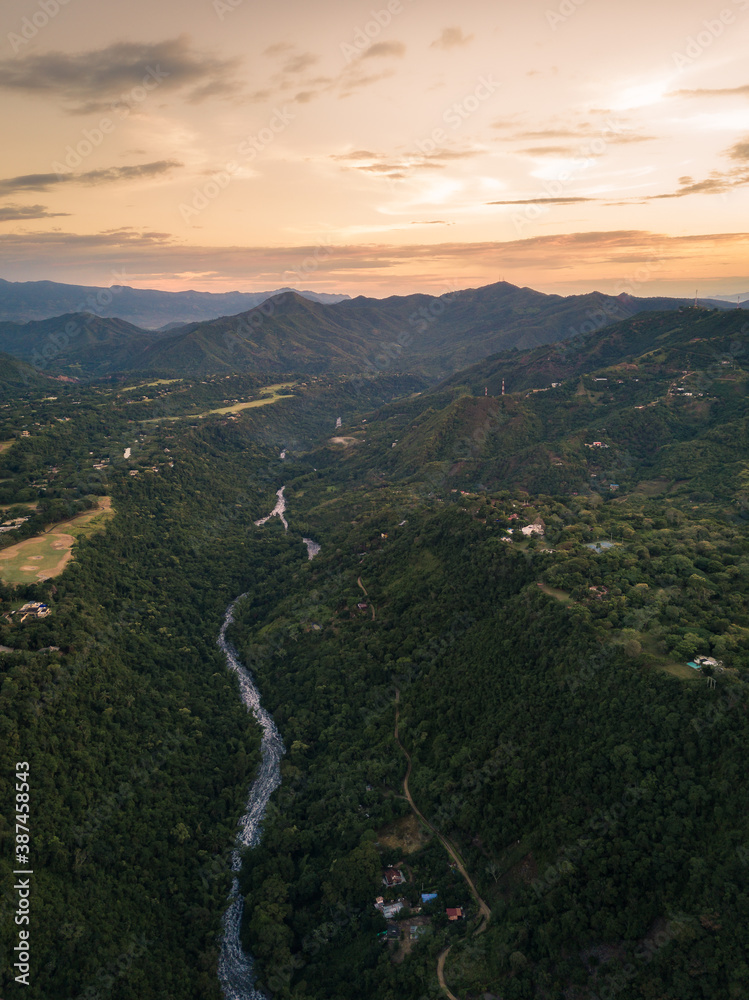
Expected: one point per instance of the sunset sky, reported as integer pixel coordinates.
(377, 148)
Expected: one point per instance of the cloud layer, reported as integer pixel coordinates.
(87, 82)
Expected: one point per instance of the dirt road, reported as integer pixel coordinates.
(451, 850)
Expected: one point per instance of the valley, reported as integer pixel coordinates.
(468, 615)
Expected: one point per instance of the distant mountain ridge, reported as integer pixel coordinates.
(22, 301)
(433, 336)
(423, 334)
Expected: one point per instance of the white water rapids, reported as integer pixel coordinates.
(278, 511)
(235, 967)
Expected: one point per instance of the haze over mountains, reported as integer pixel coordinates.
(434, 336)
(21, 301)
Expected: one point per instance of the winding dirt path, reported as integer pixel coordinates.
(367, 595)
(441, 973)
(451, 850)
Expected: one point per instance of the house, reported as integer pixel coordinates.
(362, 605)
(454, 913)
(34, 609)
(708, 661)
(534, 529)
(389, 910)
(428, 897)
(393, 876)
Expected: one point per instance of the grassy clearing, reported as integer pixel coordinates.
(559, 595)
(146, 385)
(651, 488)
(275, 395)
(4, 445)
(347, 442)
(406, 835)
(47, 555)
(665, 663)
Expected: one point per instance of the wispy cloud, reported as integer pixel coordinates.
(542, 201)
(399, 167)
(159, 256)
(742, 91)
(451, 38)
(385, 50)
(20, 213)
(548, 151)
(719, 181)
(104, 175)
(295, 80)
(89, 81)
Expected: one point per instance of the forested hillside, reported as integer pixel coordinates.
(431, 335)
(526, 583)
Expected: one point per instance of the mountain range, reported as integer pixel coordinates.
(21, 301)
(663, 395)
(432, 336)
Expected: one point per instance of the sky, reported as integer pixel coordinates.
(377, 148)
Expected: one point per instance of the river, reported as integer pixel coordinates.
(235, 967)
(279, 510)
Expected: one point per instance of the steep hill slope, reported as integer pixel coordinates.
(76, 343)
(432, 335)
(662, 397)
(16, 378)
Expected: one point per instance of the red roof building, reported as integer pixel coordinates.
(392, 877)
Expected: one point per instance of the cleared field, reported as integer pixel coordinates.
(407, 835)
(666, 663)
(47, 555)
(560, 595)
(146, 385)
(274, 390)
(4, 445)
